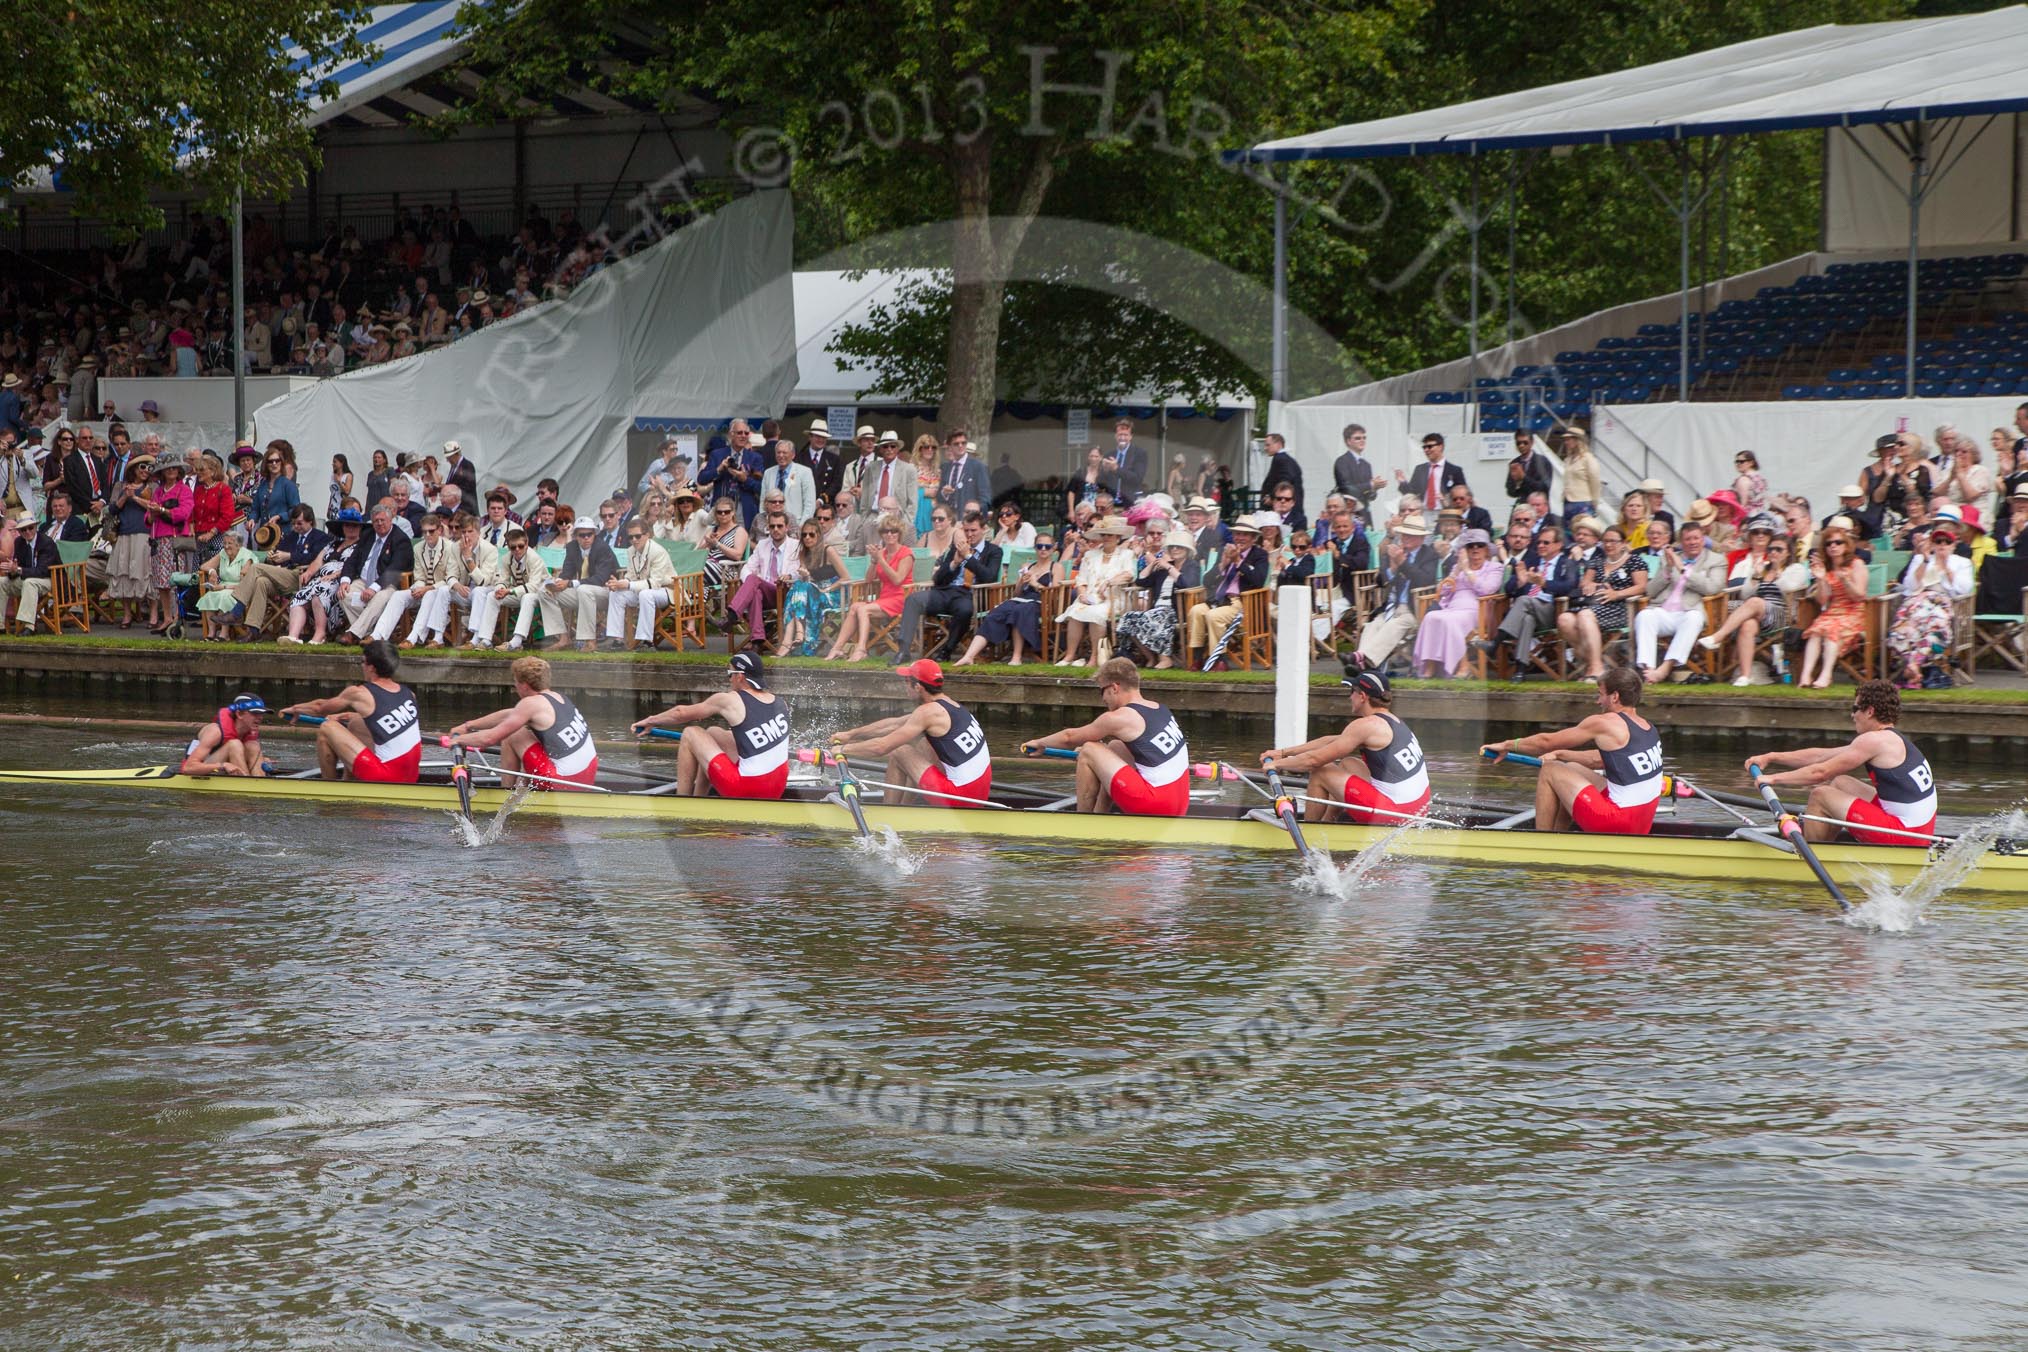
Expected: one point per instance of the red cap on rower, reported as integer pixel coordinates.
(925, 671)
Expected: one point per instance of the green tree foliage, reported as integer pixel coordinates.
(897, 114)
(127, 97)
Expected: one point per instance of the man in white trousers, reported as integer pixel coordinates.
(646, 581)
(1687, 573)
(437, 569)
(519, 584)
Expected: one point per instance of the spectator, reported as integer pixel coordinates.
(459, 470)
(1633, 524)
(1282, 469)
(893, 570)
(1924, 611)
(1760, 585)
(1352, 472)
(827, 469)
(1433, 480)
(1528, 472)
(1014, 533)
(212, 509)
(1973, 542)
(1749, 485)
(816, 591)
(1440, 639)
(1840, 588)
(127, 569)
(274, 493)
(1857, 506)
(1151, 632)
(2011, 530)
(1019, 616)
(1616, 575)
(1966, 481)
(169, 518)
(1407, 564)
(1474, 517)
(1094, 479)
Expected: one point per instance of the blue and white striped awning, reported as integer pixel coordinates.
(405, 43)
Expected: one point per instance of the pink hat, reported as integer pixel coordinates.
(1970, 516)
(1727, 499)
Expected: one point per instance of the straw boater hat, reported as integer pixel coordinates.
(1200, 505)
(1262, 520)
(1413, 524)
(1589, 522)
(1701, 513)
(1112, 526)
(886, 437)
(687, 491)
(1653, 486)
(1180, 539)
(865, 430)
(820, 428)
(10, 382)
(1838, 525)
(1851, 491)
(480, 297)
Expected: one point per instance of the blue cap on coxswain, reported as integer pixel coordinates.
(248, 704)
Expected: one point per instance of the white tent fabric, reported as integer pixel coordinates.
(1981, 197)
(702, 325)
(1827, 76)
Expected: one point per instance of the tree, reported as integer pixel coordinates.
(123, 97)
(897, 113)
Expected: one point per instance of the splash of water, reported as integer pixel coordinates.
(1323, 876)
(887, 848)
(1894, 910)
(478, 835)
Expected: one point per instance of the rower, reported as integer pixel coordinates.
(541, 734)
(1375, 765)
(230, 744)
(749, 757)
(1897, 808)
(1131, 757)
(937, 746)
(372, 729)
(1612, 790)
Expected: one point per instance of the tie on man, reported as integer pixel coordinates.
(1430, 487)
(782, 478)
(881, 496)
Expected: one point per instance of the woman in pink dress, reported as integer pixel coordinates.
(1440, 644)
(1840, 588)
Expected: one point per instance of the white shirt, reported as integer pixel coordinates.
(1023, 538)
(770, 563)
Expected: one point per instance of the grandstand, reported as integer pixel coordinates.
(1836, 334)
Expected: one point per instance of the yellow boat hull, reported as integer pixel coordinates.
(1663, 855)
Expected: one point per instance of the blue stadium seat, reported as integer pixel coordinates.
(1800, 391)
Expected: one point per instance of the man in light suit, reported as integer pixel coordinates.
(1200, 518)
(858, 460)
(1690, 570)
(1433, 480)
(890, 478)
(369, 587)
(796, 484)
(966, 479)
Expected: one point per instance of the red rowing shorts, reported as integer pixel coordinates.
(536, 761)
(368, 768)
(1600, 815)
(937, 781)
(1134, 796)
(1363, 794)
(1864, 812)
(728, 782)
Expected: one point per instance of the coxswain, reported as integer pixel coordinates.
(1375, 766)
(230, 744)
(541, 735)
(373, 729)
(1132, 756)
(1611, 790)
(749, 756)
(937, 746)
(1897, 808)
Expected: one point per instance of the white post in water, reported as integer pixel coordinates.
(1292, 667)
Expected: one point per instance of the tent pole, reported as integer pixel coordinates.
(1513, 184)
(1683, 309)
(1477, 224)
(1918, 148)
(238, 313)
(1278, 343)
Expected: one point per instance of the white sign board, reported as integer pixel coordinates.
(1077, 427)
(686, 443)
(840, 418)
(1496, 445)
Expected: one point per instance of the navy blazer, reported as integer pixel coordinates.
(1417, 570)
(1418, 482)
(972, 482)
(600, 567)
(1252, 569)
(1353, 474)
(965, 570)
(1561, 581)
(397, 556)
(39, 559)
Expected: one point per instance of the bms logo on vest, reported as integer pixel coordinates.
(1410, 756)
(1169, 738)
(764, 735)
(1924, 780)
(1647, 762)
(397, 718)
(573, 733)
(971, 739)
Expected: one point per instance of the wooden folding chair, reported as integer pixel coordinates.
(689, 609)
(2000, 613)
(1256, 629)
(1186, 600)
(1710, 661)
(1492, 611)
(1057, 597)
(67, 597)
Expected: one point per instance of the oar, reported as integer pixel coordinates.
(1201, 770)
(1285, 808)
(848, 793)
(1786, 823)
(462, 778)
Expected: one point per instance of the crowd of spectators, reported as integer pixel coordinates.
(339, 304)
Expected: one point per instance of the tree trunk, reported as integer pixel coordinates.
(980, 259)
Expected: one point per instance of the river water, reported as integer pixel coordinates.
(332, 1079)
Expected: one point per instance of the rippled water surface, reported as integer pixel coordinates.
(331, 1079)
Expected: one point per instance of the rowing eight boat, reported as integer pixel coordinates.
(1675, 850)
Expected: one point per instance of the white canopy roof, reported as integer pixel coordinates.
(1831, 75)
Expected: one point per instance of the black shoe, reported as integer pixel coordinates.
(612, 645)
(1485, 645)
